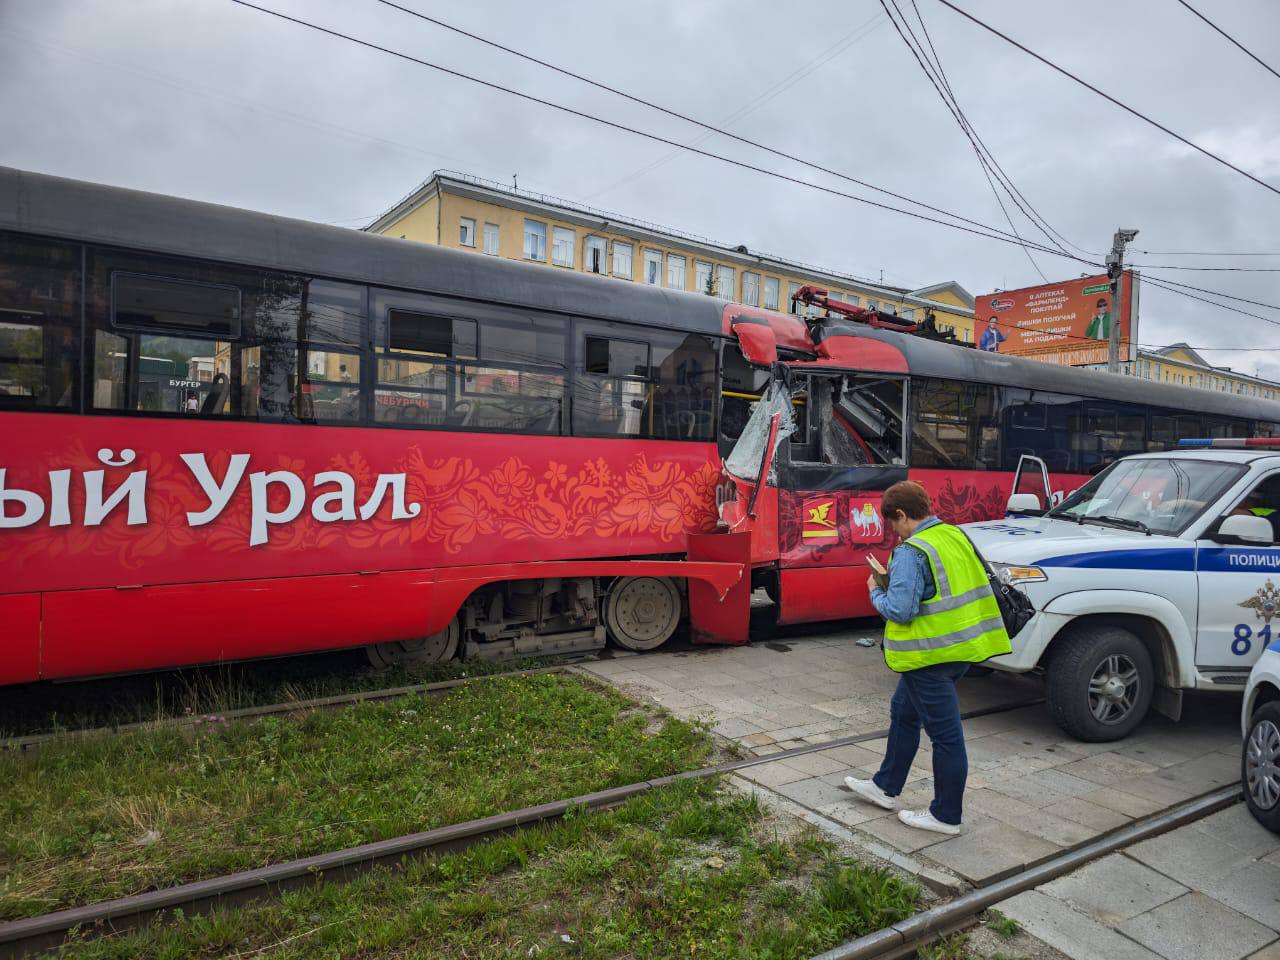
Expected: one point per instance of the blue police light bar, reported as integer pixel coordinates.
(1231, 443)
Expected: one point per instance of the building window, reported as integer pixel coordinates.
(725, 282)
(622, 260)
(873, 304)
(597, 256)
(535, 240)
(833, 295)
(467, 232)
(562, 243)
(792, 305)
(702, 274)
(653, 267)
(491, 239)
(771, 293)
(854, 300)
(675, 272)
(751, 288)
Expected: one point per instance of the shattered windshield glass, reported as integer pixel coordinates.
(745, 458)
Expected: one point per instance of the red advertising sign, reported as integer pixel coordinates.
(1067, 323)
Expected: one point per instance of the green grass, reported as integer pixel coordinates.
(115, 701)
(688, 871)
(1006, 927)
(101, 816)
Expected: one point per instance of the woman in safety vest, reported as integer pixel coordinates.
(940, 616)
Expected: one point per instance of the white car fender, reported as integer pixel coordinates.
(1152, 606)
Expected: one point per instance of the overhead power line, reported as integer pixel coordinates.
(1233, 41)
(1018, 197)
(977, 228)
(1106, 96)
(1174, 266)
(917, 51)
(668, 111)
(1206, 253)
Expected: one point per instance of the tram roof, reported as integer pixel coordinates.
(931, 358)
(95, 213)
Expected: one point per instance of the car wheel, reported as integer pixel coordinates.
(1100, 683)
(1260, 766)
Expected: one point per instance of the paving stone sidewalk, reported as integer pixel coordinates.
(1032, 791)
(1207, 891)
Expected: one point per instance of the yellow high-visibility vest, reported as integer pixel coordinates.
(961, 621)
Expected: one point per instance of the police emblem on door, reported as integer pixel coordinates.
(865, 523)
(1266, 604)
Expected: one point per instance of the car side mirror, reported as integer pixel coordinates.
(1025, 503)
(1247, 529)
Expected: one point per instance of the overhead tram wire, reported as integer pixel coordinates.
(1025, 205)
(1106, 96)
(1233, 41)
(563, 71)
(977, 228)
(854, 36)
(1206, 253)
(912, 45)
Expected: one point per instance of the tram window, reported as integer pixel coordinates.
(872, 408)
(422, 333)
(165, 303)
(1037, 423)
(1218, 427)
(39, 323)
(329, 386)
(164, 374)
(742, 385)
(1169, 428)
(1105, 431)
(663, 386)
(953, 425)
(333, 313)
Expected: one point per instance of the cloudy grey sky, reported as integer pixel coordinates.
(206, 99)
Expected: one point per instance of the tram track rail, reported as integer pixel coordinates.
(33, 935)
(905, 938)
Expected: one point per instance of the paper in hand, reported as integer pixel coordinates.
(878, 571)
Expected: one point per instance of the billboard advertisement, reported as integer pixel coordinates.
(1067, 323)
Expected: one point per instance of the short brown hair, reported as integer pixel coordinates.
(907, 496)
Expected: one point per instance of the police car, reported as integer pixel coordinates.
(1159, 575)
(1260, 763)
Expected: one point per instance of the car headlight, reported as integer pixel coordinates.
(1013, 573)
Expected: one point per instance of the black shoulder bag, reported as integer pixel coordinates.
(1015, 608)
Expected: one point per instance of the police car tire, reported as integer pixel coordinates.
(1071, 668)
(1268, 818)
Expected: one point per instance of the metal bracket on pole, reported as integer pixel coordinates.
(1115, 270)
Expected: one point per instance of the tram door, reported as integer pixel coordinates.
(848, 448)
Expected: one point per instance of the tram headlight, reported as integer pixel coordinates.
(1013, 573)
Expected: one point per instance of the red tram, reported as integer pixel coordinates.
(227, 435)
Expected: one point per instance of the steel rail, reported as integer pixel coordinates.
(28, 745)
(903, 939)
(21, 938)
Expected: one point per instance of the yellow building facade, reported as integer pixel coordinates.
(467, 213)
(1182, 366)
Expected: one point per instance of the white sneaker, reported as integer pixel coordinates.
(867, 790)
(924, 820)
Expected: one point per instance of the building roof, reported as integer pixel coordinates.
(477, 188)
(948, 286)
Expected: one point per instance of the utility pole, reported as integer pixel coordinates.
(1115, 268)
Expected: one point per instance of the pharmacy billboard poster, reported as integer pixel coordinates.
(1066, 323)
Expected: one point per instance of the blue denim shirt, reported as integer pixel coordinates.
(910, 582)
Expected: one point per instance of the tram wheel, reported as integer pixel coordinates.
(641, 613)
(417, 652)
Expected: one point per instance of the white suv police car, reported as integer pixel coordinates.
(1159, 575)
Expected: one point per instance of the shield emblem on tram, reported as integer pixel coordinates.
(865, 525)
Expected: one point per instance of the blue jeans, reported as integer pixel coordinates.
(927, 697)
